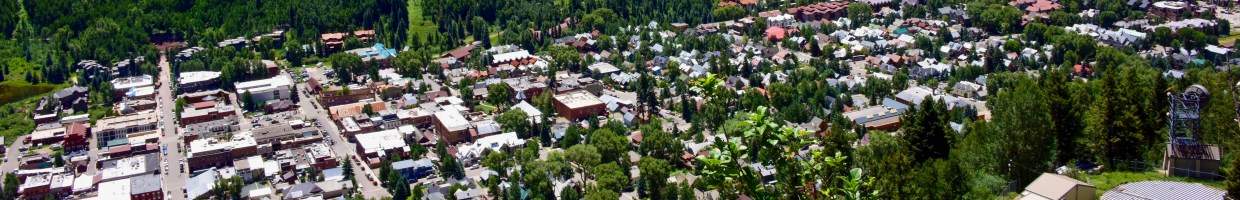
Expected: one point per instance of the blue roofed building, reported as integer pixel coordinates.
(414, 169)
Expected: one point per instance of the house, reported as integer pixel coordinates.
(1192, 160)
(1050, 186)
(72, 98)
(578, 105)
(968, 89)
(601, 69)
(412, 170)
(340, 95)
(532, 113)
(376, 53)
(216, 152)
(76, 137)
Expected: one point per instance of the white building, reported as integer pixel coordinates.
(278, 87)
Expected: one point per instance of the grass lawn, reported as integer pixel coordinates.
(418, 25)
(1108, 180)
(1231, 39)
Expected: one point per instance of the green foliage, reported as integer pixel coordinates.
(610, 176)
(1233, 178)
(659, 144)
(654, 173)
(728, 13)
(448, 165)
(1117, 120)
(228, 188)
(925, 128)
(10, 186)
(499, 94)
(515, 120)
(347, 67)
(611, 146)
(860, 13)
(1024, 118)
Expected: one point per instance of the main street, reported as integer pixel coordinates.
(366, 183)
(173, 176)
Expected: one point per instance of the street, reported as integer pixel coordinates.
(343, 148)
(173, 177)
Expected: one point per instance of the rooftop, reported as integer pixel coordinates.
(376, 142)
(578, 99)
(452, 120)
(197, 76)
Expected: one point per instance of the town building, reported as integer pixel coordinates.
(263, 90)
(188, 82)
(206, 111)
(378, 146)
(215, 152)
(115, 131)
(120, 86)
(578, 105)
(146, 187)
(123, 168)
(452, 127)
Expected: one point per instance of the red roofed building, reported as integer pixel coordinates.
(76, 137)
(776, 33)
(364, 35)
(333, 41)
(1042, 6)
(820, 11)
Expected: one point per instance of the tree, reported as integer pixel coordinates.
(10, 186)
(448, 164)
(860, 13)
(248, 101)
(369, 111)
(498, 94)
(585, 156)
(927, 131)
(346, 66)
(654, 173)
(659, 144)
(611, 146)
(1023, 115)
(611, 177)
(1233, 178)
(229, 188)
(728, 13)
(515, 120)
(599, 193)
(1118, 122)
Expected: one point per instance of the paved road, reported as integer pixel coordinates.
(342, 147)
(12, 156)
(173, 177)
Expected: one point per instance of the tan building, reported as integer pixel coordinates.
(1058, 187)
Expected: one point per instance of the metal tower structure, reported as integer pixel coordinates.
(1187, 155)
(1184, 116)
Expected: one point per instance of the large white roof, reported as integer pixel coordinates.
(381, 140)
(452, 120)
(510, 56)
(197, 76)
